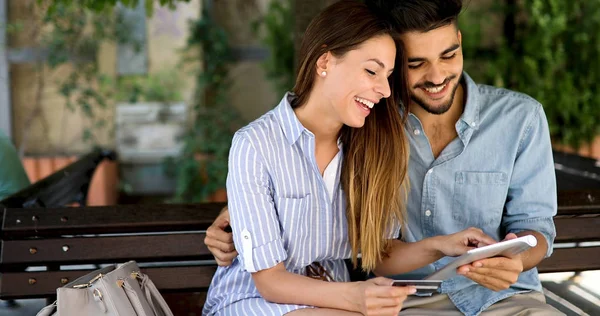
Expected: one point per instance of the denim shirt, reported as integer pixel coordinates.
(497, 175)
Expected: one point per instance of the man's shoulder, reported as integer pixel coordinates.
(495, 96)
(500, 104)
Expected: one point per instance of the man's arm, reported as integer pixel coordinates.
(532, 257)
(405, 257)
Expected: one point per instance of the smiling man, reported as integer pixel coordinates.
(480, 156)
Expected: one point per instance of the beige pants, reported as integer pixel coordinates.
(527, 304)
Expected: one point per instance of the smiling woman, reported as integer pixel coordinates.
(292, 223)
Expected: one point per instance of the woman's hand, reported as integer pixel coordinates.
(458, 243)
(378, 297)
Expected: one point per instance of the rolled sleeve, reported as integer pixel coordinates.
(532, 202)
(254, 220)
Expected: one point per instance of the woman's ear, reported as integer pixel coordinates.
(323, 63)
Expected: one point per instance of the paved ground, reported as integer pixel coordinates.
(23, 308)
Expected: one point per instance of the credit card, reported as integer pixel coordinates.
(422, 286)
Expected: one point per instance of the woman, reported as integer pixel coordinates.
(290, 221)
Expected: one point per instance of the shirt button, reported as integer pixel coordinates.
(428, 213)
(473, 124)
(417, 132)
(430, 171)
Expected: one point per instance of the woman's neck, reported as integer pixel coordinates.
(317, 116)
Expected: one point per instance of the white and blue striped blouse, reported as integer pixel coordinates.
(281, 211)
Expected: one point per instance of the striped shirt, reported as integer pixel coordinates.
(281, 211)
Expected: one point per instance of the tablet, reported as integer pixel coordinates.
(422, 286)
(507, 248)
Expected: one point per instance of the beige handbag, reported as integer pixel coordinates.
(112, 291)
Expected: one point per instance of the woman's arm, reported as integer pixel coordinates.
(405, 257)
(258, 238)
(277, 285)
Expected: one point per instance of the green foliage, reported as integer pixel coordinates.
(163, 87)
(555, 58)
(103, 5)
(276, 29)
(202, 167)
(73, 39)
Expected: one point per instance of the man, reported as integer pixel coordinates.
(12, 175)
(480, 156)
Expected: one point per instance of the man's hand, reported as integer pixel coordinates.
(220, 242)
(459, 243)
(497, 273)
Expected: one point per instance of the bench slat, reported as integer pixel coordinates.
(572, 259)
(165, 247)
(577, 229)
(49, 222)
(16, 285)
(581, 202)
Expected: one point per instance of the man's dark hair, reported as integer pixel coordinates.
(418, 15)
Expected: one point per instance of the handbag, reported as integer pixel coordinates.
(117, 290)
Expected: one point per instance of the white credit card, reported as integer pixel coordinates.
(422, 286)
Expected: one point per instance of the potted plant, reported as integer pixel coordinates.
(150, 121)
(201, 169)
(69, 36)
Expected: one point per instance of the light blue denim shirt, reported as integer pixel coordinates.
(498, 175)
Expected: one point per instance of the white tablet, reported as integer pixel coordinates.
(508, 248)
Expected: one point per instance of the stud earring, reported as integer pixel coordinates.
(324, 73)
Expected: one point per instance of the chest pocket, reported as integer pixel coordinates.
(479, 198)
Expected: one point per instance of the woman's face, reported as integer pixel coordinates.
(356, 81)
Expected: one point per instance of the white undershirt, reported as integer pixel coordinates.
(330, 173)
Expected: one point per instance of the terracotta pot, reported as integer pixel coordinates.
(103, 188)
(591, 150)
(220, 195)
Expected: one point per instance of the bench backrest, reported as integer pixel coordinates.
(167, 240)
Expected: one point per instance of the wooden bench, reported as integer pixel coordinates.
(167, 241)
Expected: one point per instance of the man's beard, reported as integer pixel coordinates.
(442, 108)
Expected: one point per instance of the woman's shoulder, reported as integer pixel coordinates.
(264, 130)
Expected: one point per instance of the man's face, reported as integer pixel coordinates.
(435, 65)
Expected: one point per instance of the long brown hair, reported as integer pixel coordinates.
(374, 169)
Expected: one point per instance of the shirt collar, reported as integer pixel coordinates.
(291, 126)
(471, 111)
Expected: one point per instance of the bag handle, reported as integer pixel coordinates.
(153, 295)
(48, 310)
